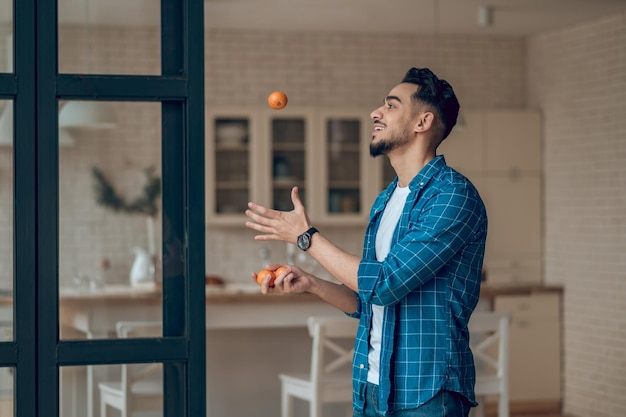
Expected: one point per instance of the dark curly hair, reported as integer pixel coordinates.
(437, 94)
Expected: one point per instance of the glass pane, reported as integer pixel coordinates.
(110, 219)
(6, 39)
(6, 392)
(83, 387)
(289, 162)
(232, 172)
(6, 220)
(96, 38)
(343, 139)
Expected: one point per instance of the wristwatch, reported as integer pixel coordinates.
(304, 240)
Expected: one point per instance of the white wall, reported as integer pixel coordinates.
(577, 77)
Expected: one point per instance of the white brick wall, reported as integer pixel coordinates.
(357, 70)
(578, 78)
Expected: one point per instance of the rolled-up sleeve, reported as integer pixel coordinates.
(359, 308)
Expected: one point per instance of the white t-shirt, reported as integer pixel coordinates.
(385, 232)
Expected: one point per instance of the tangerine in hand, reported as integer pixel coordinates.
(280, 270)
(264, 273)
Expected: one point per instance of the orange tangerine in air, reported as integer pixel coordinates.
(277, 100)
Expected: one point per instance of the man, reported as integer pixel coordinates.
(418, 280)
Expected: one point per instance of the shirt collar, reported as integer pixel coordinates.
(430, 169)
(418, 182)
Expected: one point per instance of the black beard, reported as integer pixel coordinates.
(385, 146)
(381, 148)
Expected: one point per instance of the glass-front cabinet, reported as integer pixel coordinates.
(289, 136)
(350, 178)
(260, 155)
(231, 150)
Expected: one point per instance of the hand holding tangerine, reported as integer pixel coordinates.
(280, 270)
(277, 100)
(264, 273)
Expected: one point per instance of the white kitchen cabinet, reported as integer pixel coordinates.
(513, 141)
(232, 155)
(535, 346)
(347, 169)
(464, 148)
(500, 152)
(287, 139)
(514, 241)
(495, 141)
(324, 153)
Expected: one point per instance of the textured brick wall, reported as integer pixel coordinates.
(357, 70)
(578, 78)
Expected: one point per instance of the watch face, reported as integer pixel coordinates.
(304, 241)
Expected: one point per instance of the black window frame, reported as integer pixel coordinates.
(35, 86)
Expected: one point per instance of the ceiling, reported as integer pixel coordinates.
(510, 17)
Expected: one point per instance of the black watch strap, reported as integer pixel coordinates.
(304, 240)
(311, 231)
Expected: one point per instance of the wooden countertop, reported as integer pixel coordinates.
(229, 293)
(490, 291)
(241, 293)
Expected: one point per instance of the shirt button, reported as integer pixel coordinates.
(421, 184)
(362, 366)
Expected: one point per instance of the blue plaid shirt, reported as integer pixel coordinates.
(429, 284)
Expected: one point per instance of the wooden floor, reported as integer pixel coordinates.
(535, 409)
(532, 414)
(536, 413)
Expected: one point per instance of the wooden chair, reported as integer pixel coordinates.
(489, 341)
(141, 385)
(330, 378)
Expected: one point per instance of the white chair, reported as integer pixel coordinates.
(330, 378)
(140, 387)
(489, 341)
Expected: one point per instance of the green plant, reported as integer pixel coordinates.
(144, 203)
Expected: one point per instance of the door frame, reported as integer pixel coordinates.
(35, 86)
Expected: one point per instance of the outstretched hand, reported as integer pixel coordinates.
(279, 225)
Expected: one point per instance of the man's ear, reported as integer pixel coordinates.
(424, 122)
